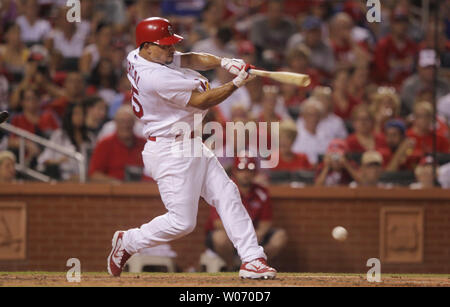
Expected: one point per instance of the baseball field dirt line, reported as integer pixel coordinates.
(92, 279)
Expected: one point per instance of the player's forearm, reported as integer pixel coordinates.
(200, 61)
(208, 99)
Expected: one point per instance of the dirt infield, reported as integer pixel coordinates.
(44, 279)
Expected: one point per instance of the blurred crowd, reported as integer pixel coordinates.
(377, 108)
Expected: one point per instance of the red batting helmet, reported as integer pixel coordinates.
(156, 30)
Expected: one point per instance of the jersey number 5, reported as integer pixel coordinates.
(137, 107)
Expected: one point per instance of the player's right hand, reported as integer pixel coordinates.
(243, 77)
(233, 66)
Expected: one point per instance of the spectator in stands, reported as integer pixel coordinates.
(421, 131)
(423, 80)
(101, 49)
(208, 24)
(32, 118)
(443, 174)
(96, 110)
(395, 53)
(346, 49)
(123, 96)
(37, 77)
(297, 61)
(364, 138)
(443, 107)
(219, 44)
(4, 92)
(271, 105)
(330, 123)
(343, 103)
(73, 92)
(73, 135)
(256, 200)
(141, 9)
(424, 174)
(270, 35)
(8, 13)
(104, 81)
(113, 154)
(399, 146)
(66, 40)
(443, 43)
(322, 57)
(370, 171)
(336, 169)
(33, 29)
(13, 53)
(359, 86)
(7, 167)
(287, 159)
(385, 106)
(310, 140)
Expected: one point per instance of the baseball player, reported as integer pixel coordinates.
(167, 90)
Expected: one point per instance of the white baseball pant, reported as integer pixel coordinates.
(181, 181)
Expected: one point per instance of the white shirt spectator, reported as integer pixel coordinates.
(312, 145)
(33, 33)
(69, 167)
(72, 48)
(443, 107)
(333, 126)
(444, 176)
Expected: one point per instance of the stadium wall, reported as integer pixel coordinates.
(409, 230)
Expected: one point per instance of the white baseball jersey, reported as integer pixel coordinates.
(161, 93)
(160, 97)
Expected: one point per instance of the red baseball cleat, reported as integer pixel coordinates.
(257, 269)
(118, 256)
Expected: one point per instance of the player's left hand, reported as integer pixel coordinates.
(244, 77)
(233, 66)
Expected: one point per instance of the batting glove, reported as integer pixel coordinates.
(243, 77)
(233, 66)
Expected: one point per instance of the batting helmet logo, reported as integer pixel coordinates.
(170, 30)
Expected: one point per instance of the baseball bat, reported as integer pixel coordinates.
(283, 77)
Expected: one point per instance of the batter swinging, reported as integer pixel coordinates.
(167, 90)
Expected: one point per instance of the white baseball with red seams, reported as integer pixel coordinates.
(160, 97)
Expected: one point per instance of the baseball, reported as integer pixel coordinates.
(339, 233)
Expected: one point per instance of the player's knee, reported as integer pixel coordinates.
(185, 227)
